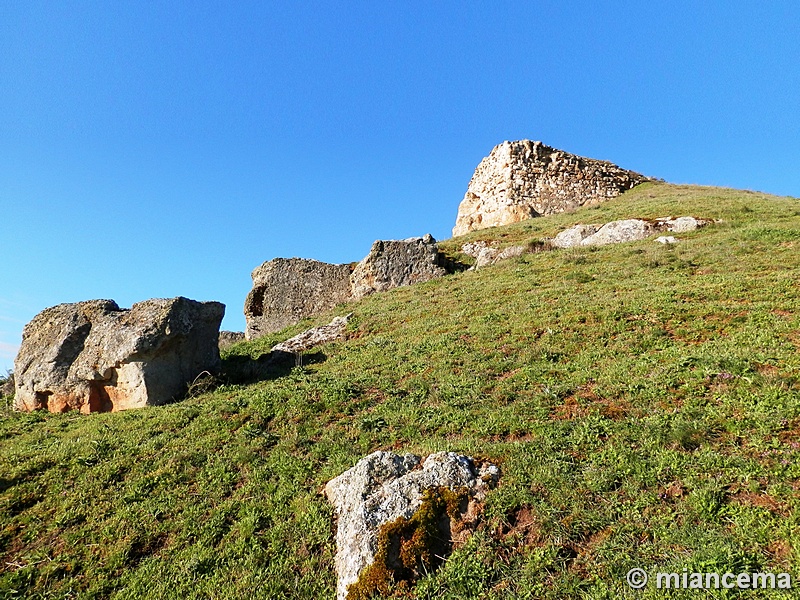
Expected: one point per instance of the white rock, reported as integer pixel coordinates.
(383, 487)
(685, 224)
(667, 239)
(314, 337)
(573, 236)
(615, 232)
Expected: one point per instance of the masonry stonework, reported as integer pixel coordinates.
(525, 179)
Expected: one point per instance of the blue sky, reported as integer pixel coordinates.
(155, 150)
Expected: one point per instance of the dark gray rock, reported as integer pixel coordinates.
(395, 263)
(286, 290)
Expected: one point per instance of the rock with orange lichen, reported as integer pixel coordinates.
(95, 357)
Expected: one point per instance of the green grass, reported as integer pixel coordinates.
(642, 402)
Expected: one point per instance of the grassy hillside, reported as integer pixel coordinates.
(642, 401)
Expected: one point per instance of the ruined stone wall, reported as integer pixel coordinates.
(524, 179)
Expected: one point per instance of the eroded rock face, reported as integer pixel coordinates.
(383, 487)
(395, 263)
(524, 179)
(286, 290)
(93, 356)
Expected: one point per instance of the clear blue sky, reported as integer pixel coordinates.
(150, 150)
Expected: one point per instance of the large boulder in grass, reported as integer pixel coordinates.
(395, 263)
(617, 232)
(94, 356)
(286, 290)
(386, 499)
(524, 179)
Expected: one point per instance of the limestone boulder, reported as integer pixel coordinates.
(573, 236)
(616, 232)
(511, 252)
(626, 230)
(286, 290)
(395, 263)
(524, 179)
(384, 487)
(666, 239)
(316, 336)
(681, 224)
(483, 253)
(94, 356)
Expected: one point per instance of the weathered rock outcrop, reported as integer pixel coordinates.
(525, 179)
(395, 263)
(385, 487)
(625, 230)
(93, 356)
(286, 290)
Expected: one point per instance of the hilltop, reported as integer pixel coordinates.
(641, 400)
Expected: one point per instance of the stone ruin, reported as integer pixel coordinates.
(286, 290)
(94, 356)
(525, 179)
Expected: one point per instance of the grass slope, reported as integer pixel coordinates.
(641, 399)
